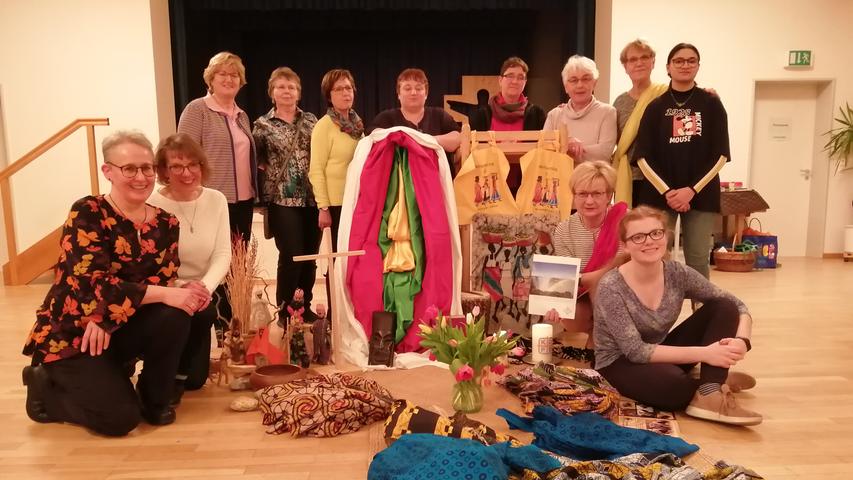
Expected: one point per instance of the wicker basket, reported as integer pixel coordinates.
(734, 261)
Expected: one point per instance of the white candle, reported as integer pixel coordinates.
(543, 338)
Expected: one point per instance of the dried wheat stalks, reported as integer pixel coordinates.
(240, 280)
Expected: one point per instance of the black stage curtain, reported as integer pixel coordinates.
(375, 40)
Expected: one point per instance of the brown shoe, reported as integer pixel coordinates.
(738, 381)
(721, 407)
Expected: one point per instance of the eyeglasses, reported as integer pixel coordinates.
(194, 167)
(517, 78)
(130, 171)
(640, 238)
(642, 58)
(232, 76)
(691, 62)
(345, 88)
(594, 195)
(583, 79)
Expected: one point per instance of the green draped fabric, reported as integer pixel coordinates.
(401, 287)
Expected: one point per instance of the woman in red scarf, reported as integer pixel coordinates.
(590, 234)
(510, 110)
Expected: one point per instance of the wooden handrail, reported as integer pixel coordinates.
(49, 143)
(12, 270)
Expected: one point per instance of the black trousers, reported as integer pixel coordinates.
(95, 392)
(669, 386)
(240, 218)
(195, 358)
(295, 232)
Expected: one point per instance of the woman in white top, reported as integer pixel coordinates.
(204, 246)
(591, 124)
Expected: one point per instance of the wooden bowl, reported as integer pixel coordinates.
(734, 261)
(269, 375)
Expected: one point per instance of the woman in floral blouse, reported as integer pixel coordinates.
(283, 140)
(112, 302)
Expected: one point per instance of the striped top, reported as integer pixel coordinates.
(210, 129)
(572, 239)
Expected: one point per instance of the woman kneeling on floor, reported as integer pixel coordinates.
(112, 301)
(637, 305)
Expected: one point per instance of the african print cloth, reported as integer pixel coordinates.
(424, 456)
(570, 390)
(639, 466)
(407, 418)
(587, 436)
(324, 406)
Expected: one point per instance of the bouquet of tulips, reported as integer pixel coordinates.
(470, 353)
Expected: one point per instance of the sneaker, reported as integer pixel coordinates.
(738, 381)
(721, 407)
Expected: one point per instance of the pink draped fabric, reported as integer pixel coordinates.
(364, 273)
(607, 245)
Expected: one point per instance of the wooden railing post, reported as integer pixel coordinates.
(24, 266)
(93, 160)
(11, 241)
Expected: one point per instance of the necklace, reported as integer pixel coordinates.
(144, 220)
(681, 104)
(181, 207)
(183, 214)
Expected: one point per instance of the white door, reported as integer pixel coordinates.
(783, 144)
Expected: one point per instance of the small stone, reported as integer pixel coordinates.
(244, 404)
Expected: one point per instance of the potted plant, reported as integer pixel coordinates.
(839, 146)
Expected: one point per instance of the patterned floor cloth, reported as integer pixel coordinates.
(324, 406)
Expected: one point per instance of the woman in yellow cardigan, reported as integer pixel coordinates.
(333, 143)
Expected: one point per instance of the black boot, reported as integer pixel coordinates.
(37, 381)
(177, 393)
(153, 414)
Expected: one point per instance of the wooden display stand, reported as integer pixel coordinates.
(513, 145)
(333, 303)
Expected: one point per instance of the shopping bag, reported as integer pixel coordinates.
(767, 245)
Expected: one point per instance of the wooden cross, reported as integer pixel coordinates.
(333, 303)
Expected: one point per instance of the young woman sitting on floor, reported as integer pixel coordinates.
(637, 305)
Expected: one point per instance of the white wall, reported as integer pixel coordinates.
(740, 42)
(62, 60)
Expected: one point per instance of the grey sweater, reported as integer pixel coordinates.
(624, 326)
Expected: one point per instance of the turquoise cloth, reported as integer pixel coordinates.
(421, 456)
(589, 436)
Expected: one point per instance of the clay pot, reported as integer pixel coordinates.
(269, 375)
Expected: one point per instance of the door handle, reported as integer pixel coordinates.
(806, 173)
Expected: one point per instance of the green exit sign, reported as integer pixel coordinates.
(799, 58)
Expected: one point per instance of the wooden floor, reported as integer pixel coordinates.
(802, 357)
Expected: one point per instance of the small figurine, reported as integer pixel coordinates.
(261, 316)
(234, 342)
(298, 353)
(322, 336)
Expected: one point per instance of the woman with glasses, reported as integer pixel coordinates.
(113, 300)
(222, 128)
(412, 91)
(638, 59)
(333, 142)
(589, 234)
(637, 305)
(205, 244)
(283, 137)
(510, 110)
(591, 123)
(682, 144)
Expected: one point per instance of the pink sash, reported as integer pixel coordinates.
(607, 244)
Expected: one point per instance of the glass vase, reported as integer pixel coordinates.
(468, 396)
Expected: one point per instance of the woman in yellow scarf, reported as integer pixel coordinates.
(638, 58)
